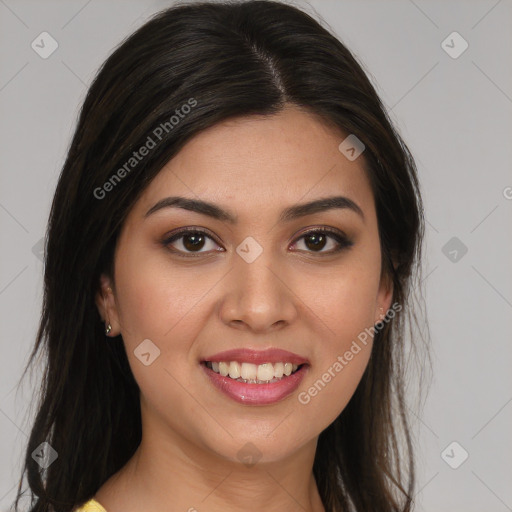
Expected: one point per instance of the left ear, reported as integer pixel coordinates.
(384, 297)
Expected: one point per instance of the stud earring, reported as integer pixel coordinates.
(108, 329)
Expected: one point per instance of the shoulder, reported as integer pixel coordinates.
(90, 506)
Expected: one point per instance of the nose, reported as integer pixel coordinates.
(258, 296)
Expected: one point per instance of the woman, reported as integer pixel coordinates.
(229, 256)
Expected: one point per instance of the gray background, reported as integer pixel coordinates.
(455, 115)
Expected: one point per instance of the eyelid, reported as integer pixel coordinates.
(326, 229)
(194, 229)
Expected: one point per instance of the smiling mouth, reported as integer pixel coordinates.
(250, 373)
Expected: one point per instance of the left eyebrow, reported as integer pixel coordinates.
(287, 215)
(319, 205)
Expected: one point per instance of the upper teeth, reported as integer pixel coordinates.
(249, 371)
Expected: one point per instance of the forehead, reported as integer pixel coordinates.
(260, 163)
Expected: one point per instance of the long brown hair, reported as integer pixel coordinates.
(232, 59)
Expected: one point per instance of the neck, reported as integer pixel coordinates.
(172, 471)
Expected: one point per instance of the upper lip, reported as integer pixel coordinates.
(270, 355)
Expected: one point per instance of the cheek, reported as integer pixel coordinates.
(345, 306)
(157, 304)
(161, 304)
(154, 298)
(344, 298)
(352, 305)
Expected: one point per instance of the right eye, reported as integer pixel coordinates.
(190, 241)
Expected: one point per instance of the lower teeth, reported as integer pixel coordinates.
(252, 381)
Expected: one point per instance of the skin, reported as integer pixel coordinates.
(292, 296)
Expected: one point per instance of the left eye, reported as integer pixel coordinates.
(317, 239)
(192, 241)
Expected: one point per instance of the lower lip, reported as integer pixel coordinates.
(256, 394)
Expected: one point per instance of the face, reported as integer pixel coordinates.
(309, 283)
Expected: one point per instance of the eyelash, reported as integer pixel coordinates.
(339, 237)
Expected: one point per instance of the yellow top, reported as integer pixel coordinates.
(91, 506)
